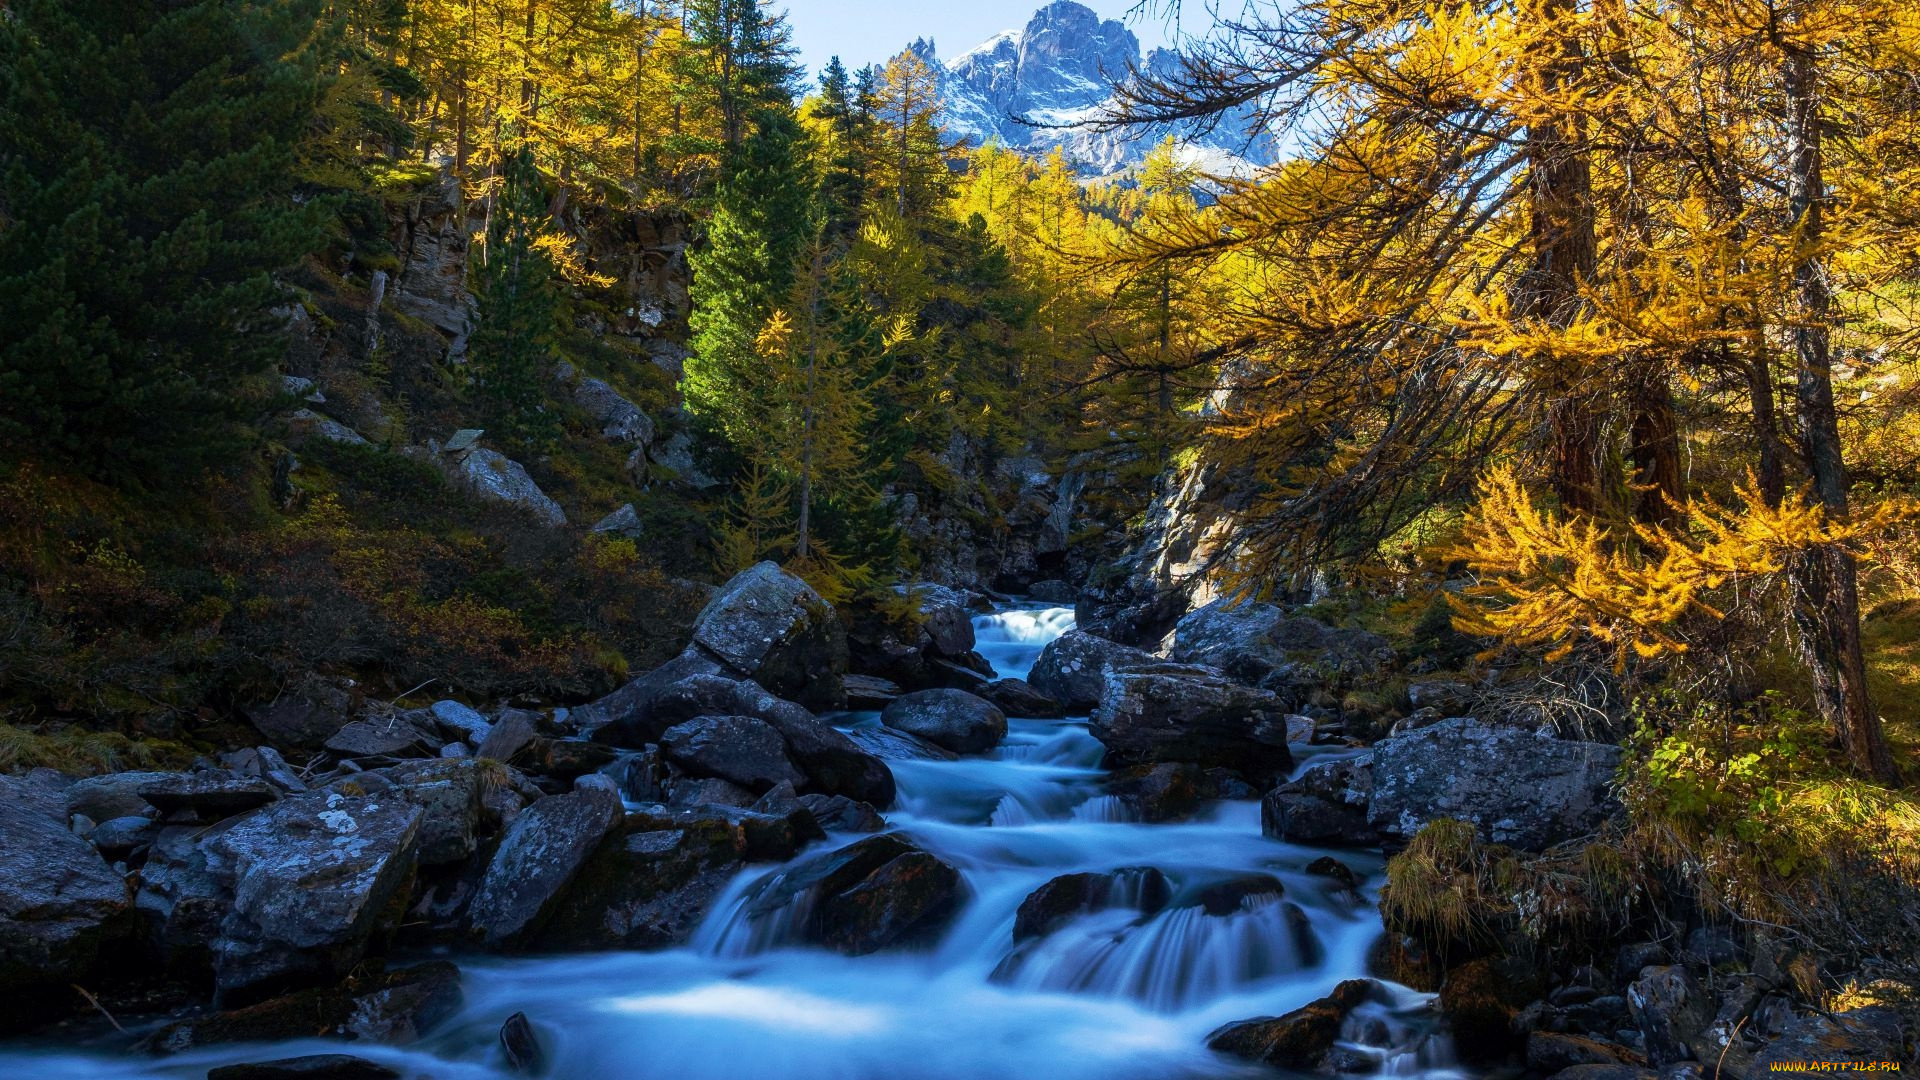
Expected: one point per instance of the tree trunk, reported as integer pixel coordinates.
(1659, 487)
(1561, 225)
(1826, 580)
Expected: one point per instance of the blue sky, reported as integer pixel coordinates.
(869, 31)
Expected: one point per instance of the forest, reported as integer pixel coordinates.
(637, 459)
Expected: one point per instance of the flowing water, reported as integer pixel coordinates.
(1107, 996)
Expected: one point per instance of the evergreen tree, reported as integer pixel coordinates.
(912, 168)
(846, 132)
(147, 151)
(740, 61)
(512, 350)
(762, 221)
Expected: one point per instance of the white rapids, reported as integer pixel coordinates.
(1111, 995)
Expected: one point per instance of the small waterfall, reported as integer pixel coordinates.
(1172, 961)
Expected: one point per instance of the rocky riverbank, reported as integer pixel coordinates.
(293, 889)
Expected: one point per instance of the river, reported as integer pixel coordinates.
(1111, 995)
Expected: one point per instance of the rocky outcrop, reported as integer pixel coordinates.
(1017, 697)
(308, 712)
(389, 1007)
(769, 626)
(1520, 788)
(1072, 668)
(432, 284)
(952, 719)
(623, 524)
(1171, 712)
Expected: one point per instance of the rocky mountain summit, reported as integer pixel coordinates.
(1021, 86)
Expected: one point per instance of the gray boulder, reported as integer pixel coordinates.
(63, 910)
(542, 851)
(1172, 712)
(739, 749)
(307, 424)
(458, 721)
(206, 796)
(769, 626)
(623, 523)
(493, 477)
(286, 896)
(878, 893)
(1072, 669)
(1528, 791)
(952, 719)
(113, 795)
(385, 737)
(307, 713)
(620, 420)
(1016, 697)
(1249, 641)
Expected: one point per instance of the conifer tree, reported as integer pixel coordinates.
(512, 350)
(147, 156)
(763, 219)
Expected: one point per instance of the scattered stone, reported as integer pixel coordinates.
(1481, 998)
(565, 759)
(114, 795)
(509, 735)
(1250, 641)
(1139, 888)
(206, 796)
(307, 424)
(266, 763)
(459, 721)
(952, 719)
(1526, 790)
(1169, 791)
(522, 1046)
(393, 1008)
(542, 850)
(1671, 1011)
(944, 618)
(1551, 1052)
(623, 523)
(448, 794)
(117, 838)
(889, 745)
(385, 738)
(1873, 1033)
(866, 692)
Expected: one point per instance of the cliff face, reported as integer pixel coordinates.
(1059, 70)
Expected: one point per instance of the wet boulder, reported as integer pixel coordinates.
(540, 854)
(874, 894)
(1326, 804)
(1168, 712)
(310, 1067)
(952, 719)
(738, 749)
(113, 795)
(1527, 790)
(1072, 668)
(1138, 888)
(1017, 697)
(1299, 1039)
(1237, 893)
(63, 910)
(889, 745)
(1550, 1052)
(769, 626)
(837, 813)
(651, 884)
(313, 881)
(831, 762)
(625, 717)
(944, 618)
(1168, 791)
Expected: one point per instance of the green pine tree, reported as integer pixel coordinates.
(512, 351)
(763, 220)
(147, 150)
